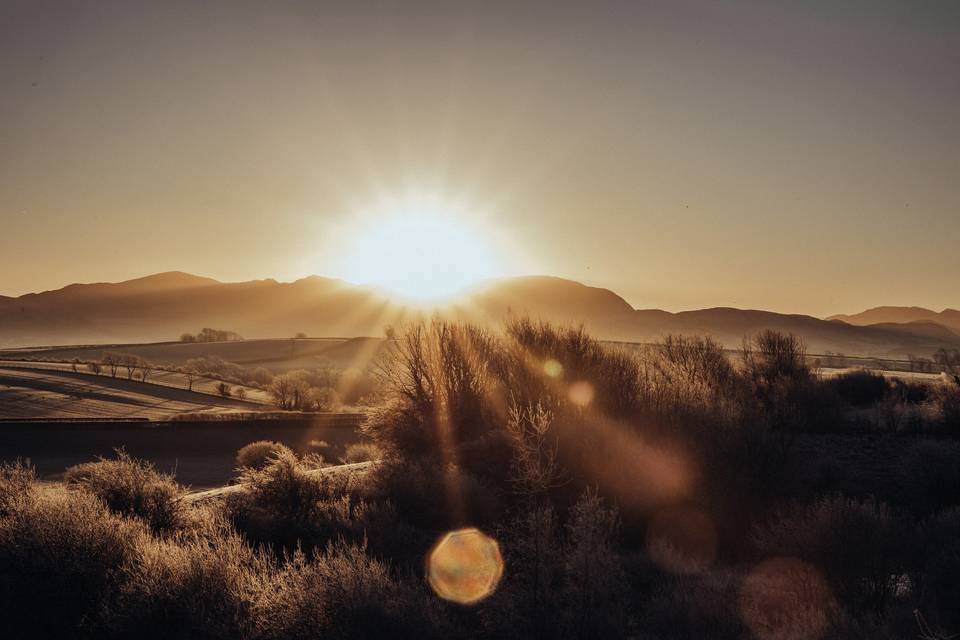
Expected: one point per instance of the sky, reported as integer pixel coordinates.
(800, 157)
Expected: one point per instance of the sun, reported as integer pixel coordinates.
(421, 253)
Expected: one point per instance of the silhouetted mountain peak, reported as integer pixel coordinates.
(164, 305)
(537, 291)
(949, 318)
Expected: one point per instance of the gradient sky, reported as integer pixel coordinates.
(793, 156)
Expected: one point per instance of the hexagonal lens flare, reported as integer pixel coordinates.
(465, 566)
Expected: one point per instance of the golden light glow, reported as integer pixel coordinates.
(420, 248)
(553, 368)
(465, 566)
(581, 393)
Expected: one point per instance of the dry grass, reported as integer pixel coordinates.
(482, 429)
(132, 487)
(257, 454)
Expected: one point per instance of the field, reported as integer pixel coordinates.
(201, 454)
(671, 490)
(57, 416)
(279, 354)
(54, 392)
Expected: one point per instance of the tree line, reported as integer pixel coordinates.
(211, 335)
(113, 364)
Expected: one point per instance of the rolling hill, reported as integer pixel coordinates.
(162, 306)
(949, 318)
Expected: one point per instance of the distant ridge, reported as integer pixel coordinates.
(949, 318)
(162, 306)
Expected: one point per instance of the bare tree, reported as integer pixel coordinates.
(240, 393)
(949, 361)
(146, 368)
(224, 389)
(775, 367)
(536, 468)
(191, 375)
(130, 363)
(112, 362)
(75, 364)
(94, 368)
(290, 391)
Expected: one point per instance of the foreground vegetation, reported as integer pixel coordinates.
(659, 494)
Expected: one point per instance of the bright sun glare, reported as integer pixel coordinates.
(420, 252)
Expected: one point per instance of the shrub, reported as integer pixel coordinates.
(935, 575)
(257, 454)
(778, 378)
(63, 557)
(291, 391)
(613, 374)
(911, 391)
(325, 399)
(201, 584)
(342, 593)
(288, 504)
(561, 581)
(860, 387)
(535, 468)
(527, 603)
(860, 546)
(691, 378)
(594, 580)
(946, 400)
(693, 606)
(16, 483)
(433, 498)
(210, 335)
(439, 383)
(260, 376)
(746, 468)
(397, 427)
(449, 388)
(132, 487)
(362, 452)
(930, 475)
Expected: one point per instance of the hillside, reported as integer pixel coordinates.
(949, 318)
(162, 306)
(57, 394)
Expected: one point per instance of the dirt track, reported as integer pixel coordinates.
(331, 472)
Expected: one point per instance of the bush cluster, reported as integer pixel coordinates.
(130, 487)
(648, 493)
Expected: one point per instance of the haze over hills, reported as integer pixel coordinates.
(162, 306)
(949, 318)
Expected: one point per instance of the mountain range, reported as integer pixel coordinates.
(949, 318)
(163, 306)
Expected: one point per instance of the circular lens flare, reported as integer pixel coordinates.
(553, 368)
(581, 393)
(464, 566)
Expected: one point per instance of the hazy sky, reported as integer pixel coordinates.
(796, 156)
